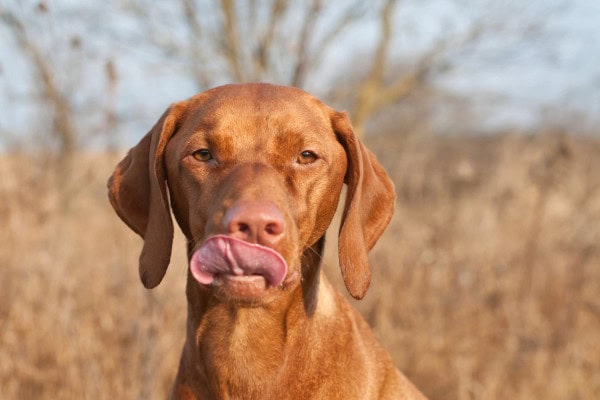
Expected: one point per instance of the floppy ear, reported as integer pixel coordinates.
(369, 207)
(137, 191)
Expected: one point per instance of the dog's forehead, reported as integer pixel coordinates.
(256, 94)
(259, 106)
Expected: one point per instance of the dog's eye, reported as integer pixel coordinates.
(307, 157)
(202, 155)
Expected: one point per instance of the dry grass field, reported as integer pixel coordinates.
(486, 285)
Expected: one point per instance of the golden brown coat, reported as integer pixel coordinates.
(301, 339)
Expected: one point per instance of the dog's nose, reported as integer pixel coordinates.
(255, 222)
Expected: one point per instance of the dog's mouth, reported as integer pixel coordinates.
(238, 262)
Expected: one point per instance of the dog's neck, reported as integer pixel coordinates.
(239, 348)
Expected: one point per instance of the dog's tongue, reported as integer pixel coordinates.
(226, 255)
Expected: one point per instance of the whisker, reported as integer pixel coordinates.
(320, 256)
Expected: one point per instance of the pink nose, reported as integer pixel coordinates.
(255, 222)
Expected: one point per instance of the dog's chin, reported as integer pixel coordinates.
(250, 290)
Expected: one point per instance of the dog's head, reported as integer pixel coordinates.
(254, 173)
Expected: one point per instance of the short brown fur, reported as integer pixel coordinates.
(302, 339)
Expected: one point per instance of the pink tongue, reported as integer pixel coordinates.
(226, 255)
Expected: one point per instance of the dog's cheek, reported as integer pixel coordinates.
(326, 193)
(312, 225)
(179, 204)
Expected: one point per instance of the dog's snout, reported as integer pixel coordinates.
(255, 222)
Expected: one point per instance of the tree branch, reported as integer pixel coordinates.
(353, 12)
(232, 48)
(306, 34)
(261, 55)
(197, 53)
(367, 94)
(64, 129)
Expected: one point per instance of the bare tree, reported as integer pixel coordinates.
(371, 87)
(276, 40)
(218, 41)
(380, 89)
(63, 129)
(284, 42)
(112, 79)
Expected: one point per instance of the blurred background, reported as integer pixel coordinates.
(486, 114)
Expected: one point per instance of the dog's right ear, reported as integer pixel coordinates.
(137, 191)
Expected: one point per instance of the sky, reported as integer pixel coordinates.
(542, 63)
(553, 70)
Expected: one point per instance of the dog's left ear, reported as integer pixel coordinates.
(369, 207)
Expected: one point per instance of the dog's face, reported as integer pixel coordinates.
(254, 174)
(257, 150)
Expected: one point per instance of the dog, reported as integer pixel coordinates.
(253, 174)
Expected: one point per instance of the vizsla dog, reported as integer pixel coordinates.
(253, 174)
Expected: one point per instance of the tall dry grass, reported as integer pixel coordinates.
(485, 285)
